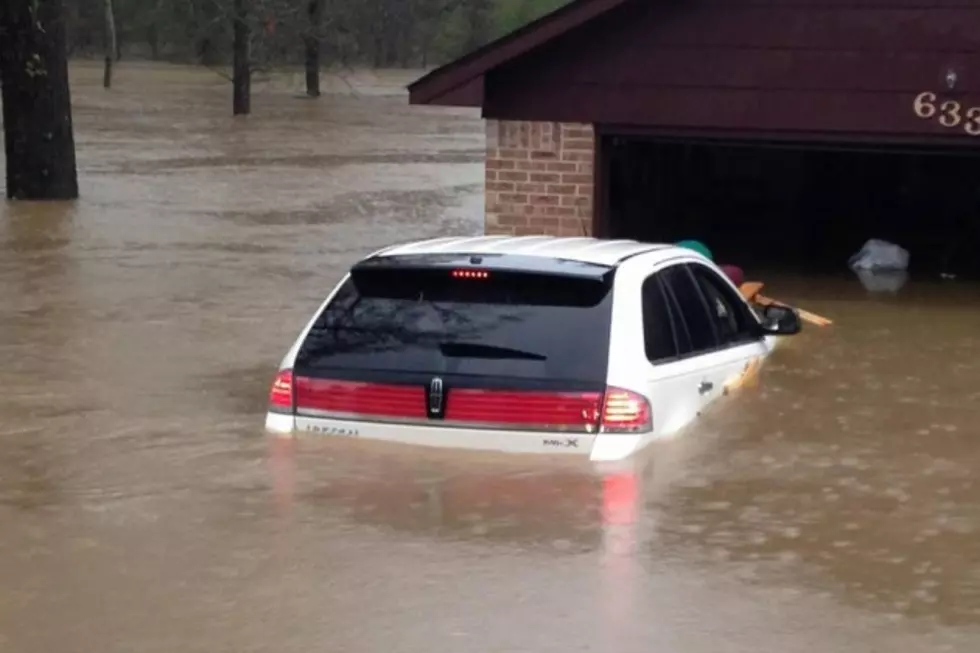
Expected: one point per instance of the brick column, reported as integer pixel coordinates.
(539, 178)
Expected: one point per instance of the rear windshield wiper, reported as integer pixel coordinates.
(475, 350)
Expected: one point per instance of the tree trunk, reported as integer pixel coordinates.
(38, 135)
(110, 44)
(242, 75)
(315, 12)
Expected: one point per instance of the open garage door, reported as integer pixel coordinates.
(767, 205)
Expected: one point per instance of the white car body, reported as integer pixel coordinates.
(677, 390)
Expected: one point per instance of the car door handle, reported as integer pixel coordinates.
(705, 387)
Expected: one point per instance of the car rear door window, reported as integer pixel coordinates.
(728, 312)
(684, 346)
(693, 309)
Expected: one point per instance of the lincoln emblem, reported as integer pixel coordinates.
(435, 396)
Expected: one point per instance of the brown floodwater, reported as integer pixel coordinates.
(833, 507)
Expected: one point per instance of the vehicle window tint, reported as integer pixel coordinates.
(522, 325)
(684, 345)
(658, 329)
(731, 318)
(692, 308)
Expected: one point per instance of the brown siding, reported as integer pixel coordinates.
(469, 94)
(539, 178)
(835, 67)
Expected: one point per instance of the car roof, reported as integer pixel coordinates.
(586, 250)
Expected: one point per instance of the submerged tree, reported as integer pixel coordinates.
(384, 32)
(38, 136)
(314, 9)
(241, 60)
(111, 49)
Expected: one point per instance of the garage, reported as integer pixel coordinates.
(794, 205)
(781, 133)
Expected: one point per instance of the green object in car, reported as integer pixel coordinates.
(698, 247)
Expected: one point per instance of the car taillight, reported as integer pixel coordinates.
(336, 398)
(523, 408)
(624, 411)
(281, 394)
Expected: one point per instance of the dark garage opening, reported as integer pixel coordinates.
(801, 207)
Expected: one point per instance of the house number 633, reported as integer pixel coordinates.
(949, 113)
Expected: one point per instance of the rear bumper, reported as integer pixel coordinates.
(279, 424)
(596, 447)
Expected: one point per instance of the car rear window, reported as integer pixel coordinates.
(507, 324)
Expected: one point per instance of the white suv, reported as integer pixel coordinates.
(529, 344)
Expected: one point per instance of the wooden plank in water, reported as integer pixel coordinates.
(750, 291)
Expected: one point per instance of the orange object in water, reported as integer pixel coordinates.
(750, 291)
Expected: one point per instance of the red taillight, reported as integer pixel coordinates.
(351, 398)
(281, 394)
(624, 411)
(616, 410)
(498, 407)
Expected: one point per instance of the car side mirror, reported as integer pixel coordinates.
(780, 321)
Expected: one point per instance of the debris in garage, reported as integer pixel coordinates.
(880, 255)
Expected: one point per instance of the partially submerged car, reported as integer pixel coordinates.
(527, 344)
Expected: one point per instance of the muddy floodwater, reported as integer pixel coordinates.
(833, 507)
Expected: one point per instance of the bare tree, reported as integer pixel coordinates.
(312, 47)
(111, 51)
(385, 32)
(38, 135)
(242, 63)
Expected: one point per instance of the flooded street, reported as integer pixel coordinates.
(835, 507)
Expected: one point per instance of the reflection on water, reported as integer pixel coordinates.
(832, 507)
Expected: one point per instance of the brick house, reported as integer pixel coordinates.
(655, 119)
(539, 178)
